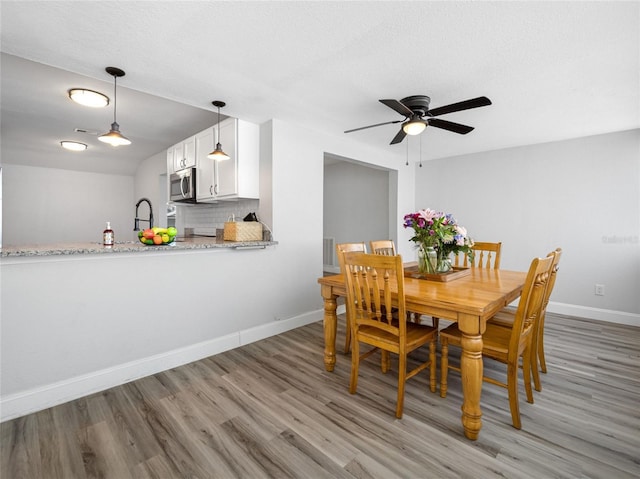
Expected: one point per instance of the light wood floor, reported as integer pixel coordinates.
(270, 409)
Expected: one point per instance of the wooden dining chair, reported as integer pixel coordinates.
(485, 255)
(507, 345)
(506, 317)
(372, 281)
(384, 247)
(343, 248)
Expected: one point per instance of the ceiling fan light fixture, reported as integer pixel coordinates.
(88, 98)
(73, 145)
(113, 136)
(414, 127)
(218, 154)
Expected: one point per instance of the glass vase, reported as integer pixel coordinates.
(427, 260)
(444, 263)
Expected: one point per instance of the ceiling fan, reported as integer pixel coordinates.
(417, 115)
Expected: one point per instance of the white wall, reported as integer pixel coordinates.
(48, 205)
(582, 195)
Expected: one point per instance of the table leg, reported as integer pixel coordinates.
(330, 326)
(472, 371)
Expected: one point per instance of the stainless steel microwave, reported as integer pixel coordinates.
(182, 186)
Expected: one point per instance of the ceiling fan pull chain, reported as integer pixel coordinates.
(407, 153)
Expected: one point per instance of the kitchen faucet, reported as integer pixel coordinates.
(136, 226)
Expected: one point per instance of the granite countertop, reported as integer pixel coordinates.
(195, 243)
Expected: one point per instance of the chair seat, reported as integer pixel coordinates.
(504, 318)
(417, 335)
(495, 340)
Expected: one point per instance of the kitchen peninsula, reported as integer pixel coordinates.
(80, 318)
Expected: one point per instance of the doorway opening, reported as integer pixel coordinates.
(359, 204)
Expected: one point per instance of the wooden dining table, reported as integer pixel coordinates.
(470, 300)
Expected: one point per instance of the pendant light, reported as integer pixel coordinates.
(218, 154)
(114, 137)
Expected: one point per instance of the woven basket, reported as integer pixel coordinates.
(242, 231)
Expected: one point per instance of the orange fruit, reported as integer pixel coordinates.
(157, 239)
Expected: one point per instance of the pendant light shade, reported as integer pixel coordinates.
(114, 137)
(218, 154)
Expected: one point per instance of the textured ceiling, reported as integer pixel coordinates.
(554, 70)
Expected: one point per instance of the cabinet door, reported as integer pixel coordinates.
(205, 174)
(189, 152)
(227, 170)
(184, 154)
(178, 158)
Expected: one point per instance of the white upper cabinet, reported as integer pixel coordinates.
(184, 154)
(237, 177)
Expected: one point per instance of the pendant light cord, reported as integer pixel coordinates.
(218, 142)
(115, 96)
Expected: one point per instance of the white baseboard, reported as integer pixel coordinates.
(608, 315)
(37, 399)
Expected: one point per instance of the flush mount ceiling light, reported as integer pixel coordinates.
(90, 98)
(114, 137)
(218, 154)
(73, 145)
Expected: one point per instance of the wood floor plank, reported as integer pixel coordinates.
(270, 409)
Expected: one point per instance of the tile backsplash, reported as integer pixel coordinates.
(206, 218)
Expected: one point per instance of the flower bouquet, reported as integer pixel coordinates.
(437, 235)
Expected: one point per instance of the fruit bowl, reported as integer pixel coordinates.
(157, 236)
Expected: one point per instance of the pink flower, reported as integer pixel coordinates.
(428, 214)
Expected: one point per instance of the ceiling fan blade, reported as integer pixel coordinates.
(449, 125)
(463, 105)
(397, 106)
(399, 137)
(371, 126)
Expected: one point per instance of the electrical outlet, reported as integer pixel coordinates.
(599, 291)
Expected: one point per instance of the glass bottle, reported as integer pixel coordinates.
(107, 236)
